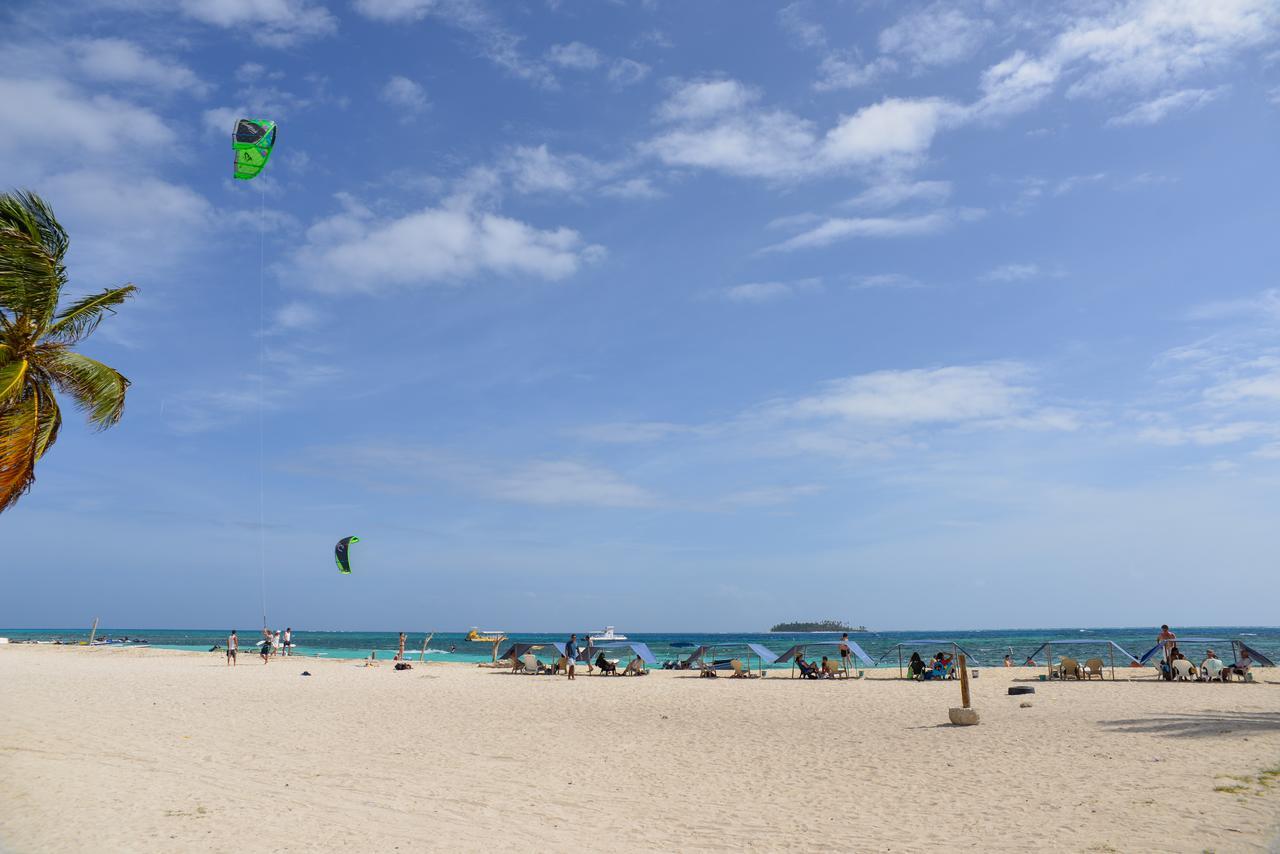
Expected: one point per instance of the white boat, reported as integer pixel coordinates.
(607, 635)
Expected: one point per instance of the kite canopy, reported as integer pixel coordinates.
(252, 141)
(341, 554)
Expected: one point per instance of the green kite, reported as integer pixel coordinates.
(252, 142)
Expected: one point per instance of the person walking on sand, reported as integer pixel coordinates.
(570, 654)
(288, 641)
(266, 650)
(233, 646)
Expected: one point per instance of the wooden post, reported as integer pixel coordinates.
(964, 682)
(899, 661)
(94, 631)
(423, 656)
(1112, 650)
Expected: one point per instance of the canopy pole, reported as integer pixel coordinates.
(93, 632)
(899, 661)
(1112, 649)
(423, 656)
(1048, 649)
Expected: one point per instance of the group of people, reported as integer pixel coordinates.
(1210, 668)
(273, 643)
(941, 666)
(817, 670)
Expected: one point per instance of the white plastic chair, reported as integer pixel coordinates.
(1183, 670)
(1213, 669)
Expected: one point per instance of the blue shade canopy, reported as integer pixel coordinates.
(640, 649)
(1093, 642)
(928, 642)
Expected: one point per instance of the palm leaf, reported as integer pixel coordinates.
(78, 320)
(19, 435)
(97, 389)
(49, 422)
(12, 376)
(32, 246)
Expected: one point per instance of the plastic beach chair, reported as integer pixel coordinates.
(1184, 671)
(1068, 666)
(1092, 668)
(1213, 670)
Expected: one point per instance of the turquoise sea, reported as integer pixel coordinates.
(988, 646)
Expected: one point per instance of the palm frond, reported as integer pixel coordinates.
(19, 435)
(78, 320)
(32, 246)
(12, 376)
(49, 422)
(98, 390)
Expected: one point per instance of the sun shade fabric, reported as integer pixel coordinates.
(928, 642)
(1094, 642)
(766, 655)
(638, 648)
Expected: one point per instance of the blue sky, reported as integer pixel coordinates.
(662, 314)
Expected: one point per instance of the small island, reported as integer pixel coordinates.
(817, 626)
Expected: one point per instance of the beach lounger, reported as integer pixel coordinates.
(740, 671)
(1068, 667)
(635, 668)
(833, 670)
(1184, 671)
(1092, 668)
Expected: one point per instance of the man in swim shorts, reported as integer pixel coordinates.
(846, 654)
(233, 646)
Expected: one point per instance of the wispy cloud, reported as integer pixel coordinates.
(405, 95)
(761, 292)
(1153, 111)
(837, 229)
(1016, 272)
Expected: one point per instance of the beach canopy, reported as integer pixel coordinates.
(925, 643)
(640, 649)
(518, 649)
(1146, 656)
(1080, 642)
(766, 655)
(1253, 653)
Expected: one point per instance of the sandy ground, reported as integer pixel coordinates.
(148, 750)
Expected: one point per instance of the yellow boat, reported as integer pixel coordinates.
(474, 636)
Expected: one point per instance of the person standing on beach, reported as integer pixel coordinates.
(400, 649)
(1166, 639)
(266, 650)
(288, 641)
(570, 654)
(846, 654)
(233, 646)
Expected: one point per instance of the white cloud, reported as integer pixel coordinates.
(220, 121)
(990, 392)
(627, 72)
(704, 99)
(277, 23)
(1207, 434)
(631, 188)
(165, 222)
(1015, 273)
(806, 32)
(1153, 111)
(554, 482)
(759, 292)
(850, 72)
(356, 251)
(935, 35)
(296, 315)
(844, 228)
(894, 193)
(404, 94)
(884, 280)
(68, 121)
(718, 126)
(574, 55)
(631, 432)
(497, 43)
(1133, 47)
(112, 60)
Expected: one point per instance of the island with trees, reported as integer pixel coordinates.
(817, 626)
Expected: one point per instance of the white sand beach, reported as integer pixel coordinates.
(152, 750)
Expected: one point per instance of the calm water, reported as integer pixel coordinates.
(988, 647)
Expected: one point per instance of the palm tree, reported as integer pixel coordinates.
(36, 340)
